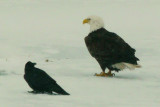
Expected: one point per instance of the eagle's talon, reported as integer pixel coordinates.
(111, 75)
(103, 74)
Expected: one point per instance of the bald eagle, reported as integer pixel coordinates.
(40, 81)
(109, 49)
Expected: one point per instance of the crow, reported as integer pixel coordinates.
(40, 81)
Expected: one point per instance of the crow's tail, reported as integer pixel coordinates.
(59, 90)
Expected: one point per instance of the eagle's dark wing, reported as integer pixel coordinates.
(110, 47)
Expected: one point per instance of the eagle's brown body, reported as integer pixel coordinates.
(108, 49)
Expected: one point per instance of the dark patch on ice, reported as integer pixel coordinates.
(3, 72)
(15, 73)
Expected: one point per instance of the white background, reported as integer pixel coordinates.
(37, 30)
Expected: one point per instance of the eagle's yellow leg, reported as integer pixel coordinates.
(103, 74)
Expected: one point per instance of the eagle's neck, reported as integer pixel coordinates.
(100, 30)
(95, 26)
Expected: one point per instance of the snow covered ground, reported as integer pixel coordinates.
(37, 30)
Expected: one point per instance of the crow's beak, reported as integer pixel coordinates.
(34, 64)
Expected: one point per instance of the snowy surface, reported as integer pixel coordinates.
(37, 30)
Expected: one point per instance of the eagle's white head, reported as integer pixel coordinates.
(95, 23)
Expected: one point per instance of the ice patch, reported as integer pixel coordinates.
(3, 72)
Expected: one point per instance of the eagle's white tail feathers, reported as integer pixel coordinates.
(124, 65)
(131, 66)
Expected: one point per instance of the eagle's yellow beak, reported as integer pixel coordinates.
(85, 21)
